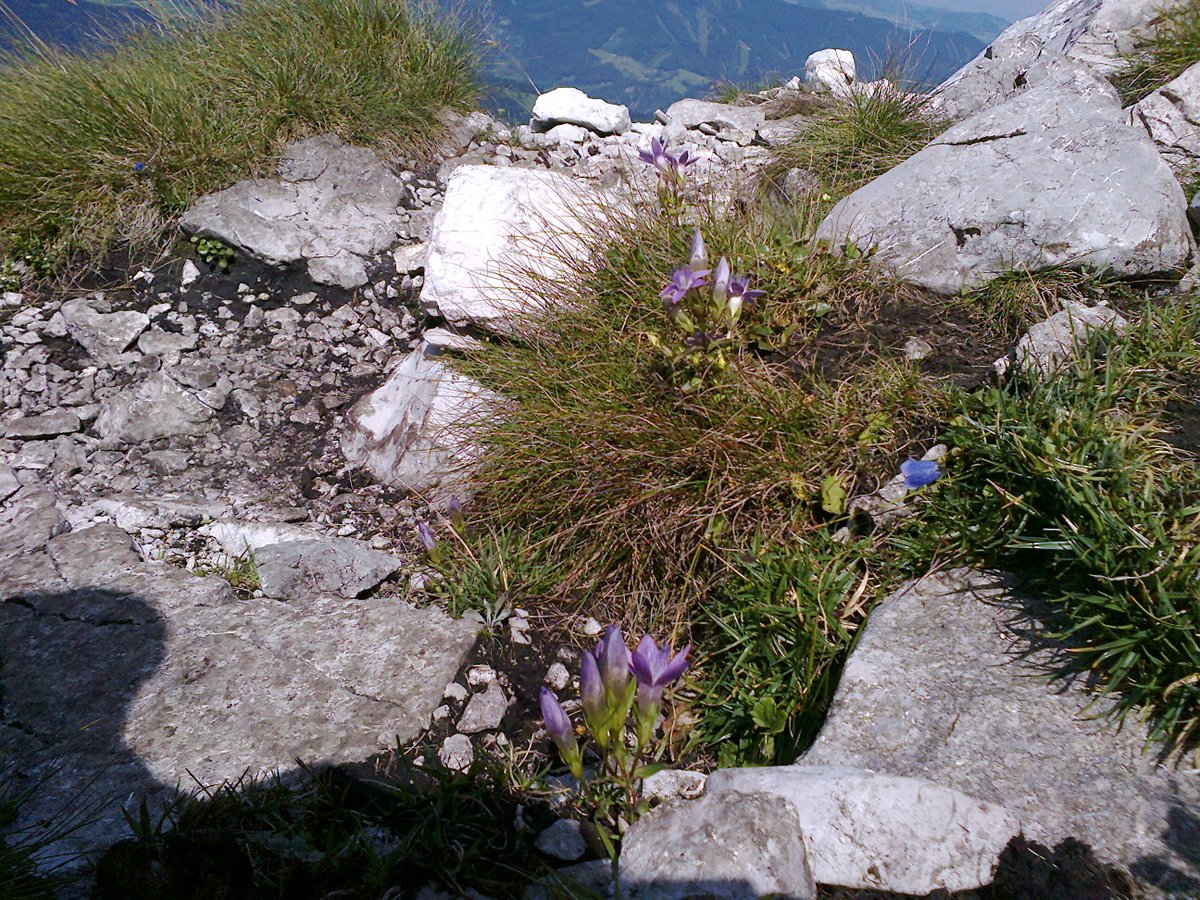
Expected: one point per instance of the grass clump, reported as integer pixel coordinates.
(1171, 48)
(859, 139)
(776, 631)
(1073, 482)
(640, 487)
(103, 149)
(1017, 300)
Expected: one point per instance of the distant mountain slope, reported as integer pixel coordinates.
(646, 55)
(77, 25)
(649, 55)
(915, 15)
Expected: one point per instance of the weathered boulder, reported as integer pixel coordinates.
(571, 106)
(866, 830)
(726, 845)
(830, 72)
(415, 431)
(497, 229)
(1171, 116)
(1050, 178)
(156, 408)
(1094, 35)
(104, 335)
(332, 208)
(304, 570)
(947, 684)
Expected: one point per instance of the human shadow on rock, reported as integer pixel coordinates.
(71, 663)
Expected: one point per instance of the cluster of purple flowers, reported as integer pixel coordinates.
(669, 166)
(611, 679)
(729, 292)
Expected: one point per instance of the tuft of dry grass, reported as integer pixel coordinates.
(104, 149)
(642, 491)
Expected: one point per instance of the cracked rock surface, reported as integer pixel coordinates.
(333, 207)
(1095, 36)
(1171, 116)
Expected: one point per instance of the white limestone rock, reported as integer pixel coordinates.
(830, 72)
(1097, 36)
(1171, 116)
(1051, 178)
(415, 431)
(571, 106)
(866, 830)
(726, 845)
(104, 335)
(332, 208)
(948, 683)
(496, 228)
(156, 408)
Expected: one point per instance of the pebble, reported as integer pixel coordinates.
(457, 753)
(563, 841)
(557, 677)
(477, 676)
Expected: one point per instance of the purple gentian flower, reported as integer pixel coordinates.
(739, 286)
(613, 660)
(919, 473)
(656, 155)
(139, 166)
(655, 668)
(683, 279)
(667, 164)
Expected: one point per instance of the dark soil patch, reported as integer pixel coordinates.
(964, 343)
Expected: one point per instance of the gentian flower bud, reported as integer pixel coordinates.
(591, 690)
(558, 726)
(699, 254)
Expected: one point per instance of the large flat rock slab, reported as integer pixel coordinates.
(332, 208)
(498, 228)
(122, 679)
(1051, 178)
(946, 685)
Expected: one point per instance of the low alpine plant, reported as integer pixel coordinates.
(622, 700)
(704, 305)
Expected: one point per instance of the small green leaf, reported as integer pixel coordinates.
(833, 495)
